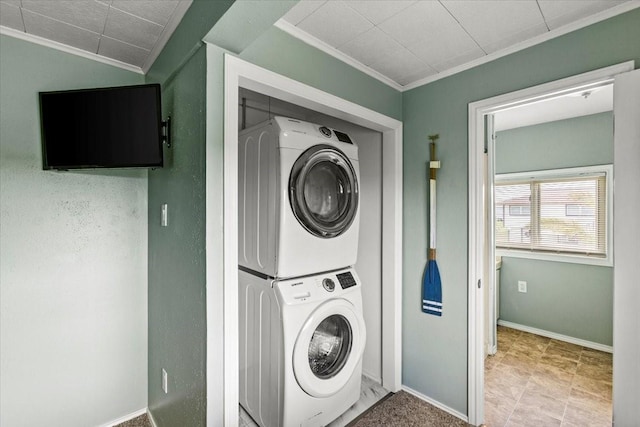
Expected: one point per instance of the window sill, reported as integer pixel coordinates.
(568, 258)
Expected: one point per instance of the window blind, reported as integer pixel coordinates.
(558, 215)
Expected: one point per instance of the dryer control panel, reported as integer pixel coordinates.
(312, 129)
(317, 288)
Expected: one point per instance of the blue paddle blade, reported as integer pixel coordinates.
(432, 290)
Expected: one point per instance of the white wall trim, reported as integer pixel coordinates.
(435, 403)
(239, 73)
(477, 207)
(6, 31)
(151, 419)
(556, 336)
(124, 418)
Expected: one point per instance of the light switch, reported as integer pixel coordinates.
(164, 216)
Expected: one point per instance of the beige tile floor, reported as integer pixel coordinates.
(538, 381)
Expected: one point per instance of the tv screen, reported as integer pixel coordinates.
(102, 128)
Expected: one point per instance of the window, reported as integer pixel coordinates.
(558, 213)
(519, 210)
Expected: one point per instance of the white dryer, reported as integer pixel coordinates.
(301, 345)
(298, 200)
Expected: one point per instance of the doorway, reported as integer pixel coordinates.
(481, 253)
(550, 204)
(241, 74)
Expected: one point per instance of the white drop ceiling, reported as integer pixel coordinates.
(403, 43)
(131, 32)
(407, 43)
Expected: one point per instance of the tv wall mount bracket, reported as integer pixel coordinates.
(166, 131)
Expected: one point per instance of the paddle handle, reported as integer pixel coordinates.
(432, 219)
(432, 155)
(433, 167)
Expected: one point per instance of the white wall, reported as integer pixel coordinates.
(73, 261)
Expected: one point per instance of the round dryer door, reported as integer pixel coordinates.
(323, 191)
(328, 348)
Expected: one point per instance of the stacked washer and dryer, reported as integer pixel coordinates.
(302, 332)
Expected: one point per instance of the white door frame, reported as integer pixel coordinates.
(239, 73)
(478, 184)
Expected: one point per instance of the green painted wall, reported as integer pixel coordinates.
(177, 312)
(566, 298)
(177, 293)
(187, 38)
(570, 299)
(435, 349)
(73, 260)
(580, 141)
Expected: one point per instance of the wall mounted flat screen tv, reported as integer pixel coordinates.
(117, 127)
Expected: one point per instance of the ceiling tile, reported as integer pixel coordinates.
(399, 64)
(458, 59)
(10, 16)
(132, 30)
(418, 22)
(154, 11)
(442, 39)
(416, 76)
(60, 32)
(122, 52)
(301, 10)
(371, 45)
(380, 10)
(560, 12)
(90, 15)
(15, 3)
(498, 24)
(335, 23)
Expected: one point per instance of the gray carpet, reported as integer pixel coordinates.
(405, 410)
(397, 410)
(141, 421)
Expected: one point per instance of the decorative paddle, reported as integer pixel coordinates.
(431, 284)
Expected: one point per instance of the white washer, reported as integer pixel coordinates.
(301, 344)
(298, 198)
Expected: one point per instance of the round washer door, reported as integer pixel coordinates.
(328, 348)
(323, 191)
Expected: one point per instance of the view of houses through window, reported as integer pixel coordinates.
(562, 214)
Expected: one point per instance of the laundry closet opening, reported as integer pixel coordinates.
(255, 109)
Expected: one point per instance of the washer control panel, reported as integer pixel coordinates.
(325, 131)
(329, 284)
(317, 288)
(346, 280)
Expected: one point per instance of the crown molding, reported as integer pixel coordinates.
(6, 31)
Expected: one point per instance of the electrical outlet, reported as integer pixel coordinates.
(522, 286)
(165, 381)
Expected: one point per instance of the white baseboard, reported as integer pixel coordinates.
(555, 336)
(435, 403)
(151, 419)
(372, 377)
(125, 418)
